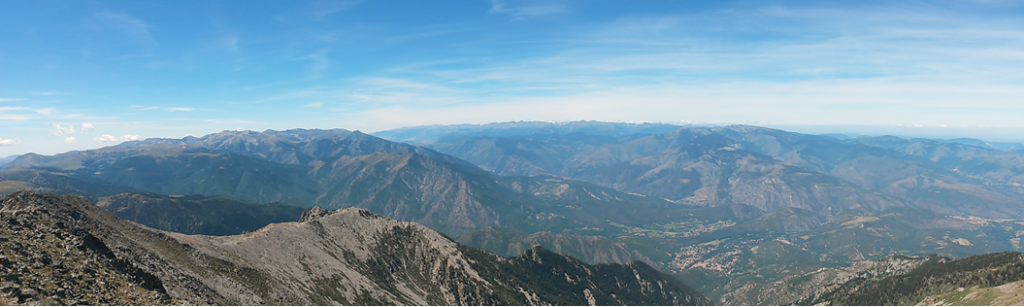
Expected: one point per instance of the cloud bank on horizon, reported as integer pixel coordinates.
(171, 69)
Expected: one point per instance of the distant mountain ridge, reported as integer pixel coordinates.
(7, 159)
(982, 176)
(331, 169)
(421, 135)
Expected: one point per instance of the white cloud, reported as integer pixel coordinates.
(315, 105)
(5, 99)
(179, 109)
(87, 127)
(8, 142)
(130, 137)
(59, 130)
(106, 138)
(70, 140)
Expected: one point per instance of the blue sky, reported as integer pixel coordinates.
(85, 74)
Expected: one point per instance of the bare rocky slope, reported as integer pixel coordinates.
(65, 250)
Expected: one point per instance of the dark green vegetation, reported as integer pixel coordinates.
(935, 276)
(197, 214)
(64, 250)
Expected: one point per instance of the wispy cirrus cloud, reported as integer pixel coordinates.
(133, 28)
(143, 108)
(319, 62)
(23, 113)
(797, 63)
(170, 109)
(321, 9)
(526, 9)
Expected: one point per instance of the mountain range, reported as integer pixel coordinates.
(725, 209)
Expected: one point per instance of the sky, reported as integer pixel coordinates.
(84, 74)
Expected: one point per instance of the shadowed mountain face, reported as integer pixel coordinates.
(65, 250)
(196, 214)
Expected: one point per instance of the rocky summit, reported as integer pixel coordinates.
(65, 250)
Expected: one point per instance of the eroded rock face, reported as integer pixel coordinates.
(65, 250)
(43, 261)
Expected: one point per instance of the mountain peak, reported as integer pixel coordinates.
(312, 213)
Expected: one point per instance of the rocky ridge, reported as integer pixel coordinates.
(65, 250)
